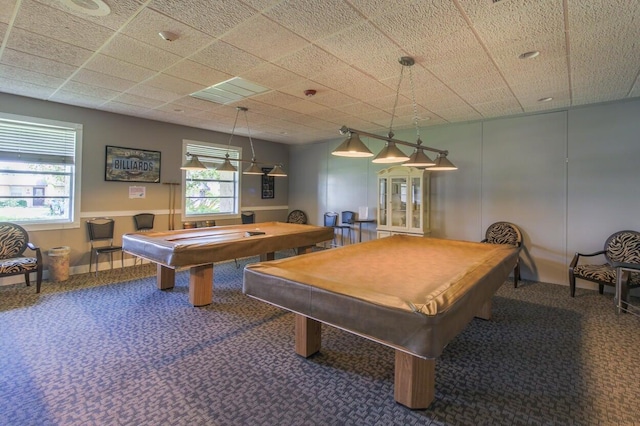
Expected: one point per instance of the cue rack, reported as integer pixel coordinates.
(172, 203)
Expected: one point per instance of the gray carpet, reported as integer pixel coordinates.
(117, 351)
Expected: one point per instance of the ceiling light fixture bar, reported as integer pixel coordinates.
(353, 146)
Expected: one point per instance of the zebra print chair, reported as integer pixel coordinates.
(505, 233)
(14, 241)
(621, 247)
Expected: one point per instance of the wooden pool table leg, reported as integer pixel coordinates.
(304, 250)
(165, 277)
(201, 285)
(485, 311)
(414, 384)
(308, 335)
(264, 257)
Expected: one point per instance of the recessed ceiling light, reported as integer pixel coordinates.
(545, 99)
(529, 55)
(89, 7)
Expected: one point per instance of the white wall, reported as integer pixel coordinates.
(568, 178)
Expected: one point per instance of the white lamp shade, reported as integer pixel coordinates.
(390, 154)
(419, 159)
(352, 147)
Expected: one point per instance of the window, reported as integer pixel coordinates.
(38, 181)
(211, 193)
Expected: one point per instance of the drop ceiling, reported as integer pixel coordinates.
(466, 53)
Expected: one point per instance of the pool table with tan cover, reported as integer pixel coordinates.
(413, 294)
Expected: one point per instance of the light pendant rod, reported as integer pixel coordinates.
(344, 130)
(195, 158)
(214, 157)
(253, 168)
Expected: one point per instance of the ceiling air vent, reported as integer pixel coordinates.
(230, 91)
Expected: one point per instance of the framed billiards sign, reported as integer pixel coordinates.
(132, 165)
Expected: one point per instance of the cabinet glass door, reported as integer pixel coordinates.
(399, 201)
(416, 202)
(382, 201)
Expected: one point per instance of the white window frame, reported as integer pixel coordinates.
(75, 201)
(208, 148)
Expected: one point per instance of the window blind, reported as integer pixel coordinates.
(196, 149)
(36, 143)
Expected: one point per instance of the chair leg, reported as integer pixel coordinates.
(122, 261)
(38, 278)
(26, 279)
(516, 274)
(572, 284)
(601, 288)
(624, 298)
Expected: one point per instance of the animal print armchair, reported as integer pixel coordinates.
(505, 233)
(14, 241)
(621, 247)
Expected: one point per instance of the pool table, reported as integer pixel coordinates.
(199, 248)
(414, 294)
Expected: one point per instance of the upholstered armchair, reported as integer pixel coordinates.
(14, 241)
(297, 216)
(505, 233)
(623, 247)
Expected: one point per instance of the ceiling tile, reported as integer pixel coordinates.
(36, 63)
(118, 68)
(28, 76)
(213, 17)
(44, 47)
(135, 100)
(174, 84)
(75, 87)
(52, 23)
(264, 38)
(418, 22)
(72, 98)
(151, 92)
(147, 25)
(102, 80)
(24, 88)
(273, 77)
(136, 52)
(121, 12)
(363, 37)
(197, 73)
(226, 58)
(312, 19)
(7, 8)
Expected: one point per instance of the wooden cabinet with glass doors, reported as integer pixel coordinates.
(403, 201)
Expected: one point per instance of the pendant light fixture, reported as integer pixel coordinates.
(391, 153)
(353, 146)
(193, 162)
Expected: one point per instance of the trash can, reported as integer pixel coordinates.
(59, 263)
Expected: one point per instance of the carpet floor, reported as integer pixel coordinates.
(114, 350)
